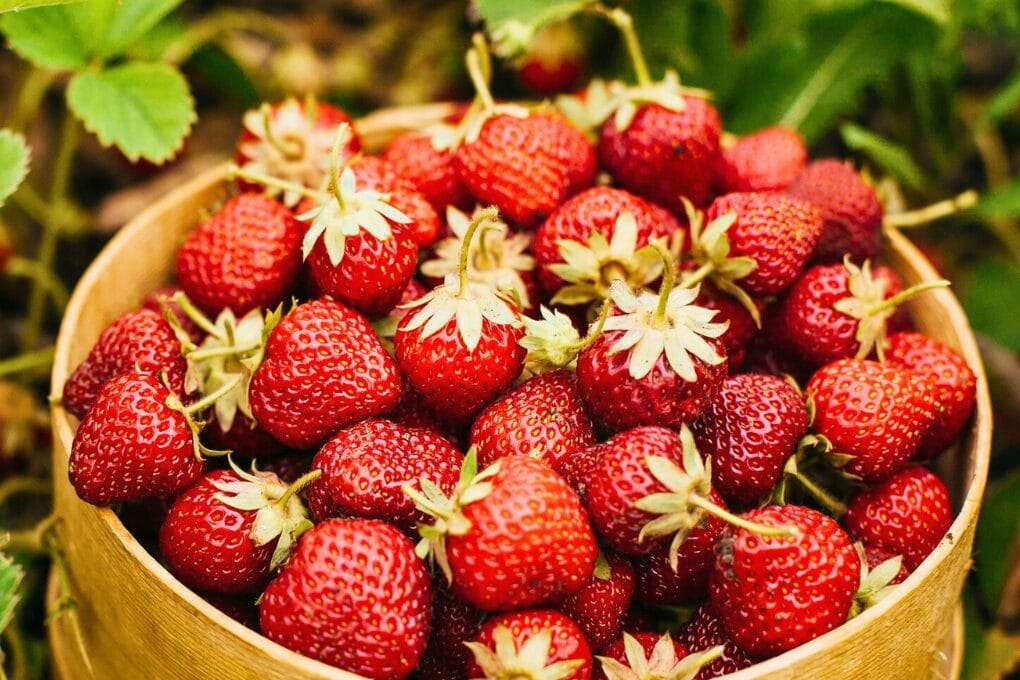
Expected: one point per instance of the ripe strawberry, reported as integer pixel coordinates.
(365, 466)
(353, 595)
(956, 385)
(163, 297)
(908, 514)
(288, 467)
(292, 141)
(415, 159)
(658, 583)
(539, 643)
(875, 556)
(577, 469)
(767, 160)
(245, 256)
(231, 529)
(850, 209)
(136, 442)
(459, 346)
(775, 593)
(553, 61)
(140, 340)
(493, 538)
(324, 370)
(379, 174)
(647, 656)
(244, 437)
(705, 630)
(543, 416)
(741, 328)
(750, 429)
(454, 622)
(412, 411)
(873, 412)
(584, 244)
(599, 607)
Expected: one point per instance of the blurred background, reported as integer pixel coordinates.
(923, 94)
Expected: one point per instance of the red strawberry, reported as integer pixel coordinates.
(705, 630)
(459, 346)
(741, 328)
(454, 622)
(875, 556)
(956, 385)
(775, 593)
(530, 644)
(543, 416)
(324, 370)
(875, 413)
(850, 208)
(353, 595)
(646, 656)
(577, 469)
(750, 429)
(767, 160)
(412, 411)
(244, 437)
(658, 583)
(365, 466)
(495, 536)
(140, 340)
(292, 143)
(379, 174)
(658, 361)
(908, 514)
(590, 223)
(136, 442)
(289, 467)
(415, 159)
(247, 255)
(163, 297)
(227, 532)
(553, 61)
(599, 608)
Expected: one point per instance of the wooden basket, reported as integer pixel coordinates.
(138, 621)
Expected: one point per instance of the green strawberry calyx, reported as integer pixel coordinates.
(868, 304)
(687, 499)
(876, 584)
(191, 410)
(528, 662)
(496, 257)
(662, 664)
(472, 487)
(553, 342)
(279, 513)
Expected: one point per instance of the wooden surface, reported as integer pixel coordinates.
(138, 621)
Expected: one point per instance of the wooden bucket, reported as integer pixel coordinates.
(138, 621)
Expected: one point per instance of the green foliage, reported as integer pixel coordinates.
(46, 36)
(988, 653)
(990, 293)
(11, 576)
(143, 108)
(1003, 202)
(513, 23)
(18, 5)
(13, 162)
(892, 158)
(997, 543)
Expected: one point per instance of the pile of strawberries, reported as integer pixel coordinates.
(555, 436)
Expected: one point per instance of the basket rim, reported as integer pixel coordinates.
(393, 118)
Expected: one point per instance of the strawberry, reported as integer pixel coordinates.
(537, 644)
(324, 369)
(577, 469)
(749, 429)
(412, 411)
(158, 300)
(227, 532)
(379, 174)
(767, 160)
(850, 209)
(599, 607)
(415, 159)
(705, 630)
(454, 622)
(554, 59)
(874, 557)
(658, 361)
(648, 656)
(658, 583)
(587, 242)
(741, 325)
(543, 416)
(458, 345)
(353, 595)
(244, 437)
(247, 255)
(956, 385)
(137, 442)
(291, 140)
(774, 593)
(875, 413)
(908, 514)
(288, 467)
(494, 536)
(140, 340)
(365, 466)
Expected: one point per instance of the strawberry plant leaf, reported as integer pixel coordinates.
(145, 109)
(46, 36)
(990, 290)
(19, 5)
(891, 157)
(997, 544)
(1003, 103)
(513, 23)
(13, 162)
(131, 21)
(989, 653)
(11, 575)
(1002, 202)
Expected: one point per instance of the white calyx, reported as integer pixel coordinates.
(667, 93)
(496, 257)
(551, 341)
(289, 145)
(662, 664)
(677, 328)
(589, 112)
(530, 662)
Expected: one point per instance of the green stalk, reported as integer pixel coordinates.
(299, 484)
(488, 215)
(668, 280)
(625, 24)
(33, 88)
(726, 516)
(27, 361)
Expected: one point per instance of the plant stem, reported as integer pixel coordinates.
(33, 88)
(474, 68)
(61, 177)
(195, 314)
(15, 643)
(755, 528)
(593, 334)
(30, 202)
(299, 484)
(51, 284)
(823, 497)
(904, 295)
(625, 24)
(210, 399)
(668, 280)
(930, 213)
(16, 486)
(26, 361)
(489, 214)
(259, 178)
(698, 275)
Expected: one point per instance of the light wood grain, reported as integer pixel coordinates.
(138, 621)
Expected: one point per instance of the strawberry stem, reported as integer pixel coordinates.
(229, 350)
(760, 529)
(820, 495)
(489, 214)
(270, 137)
(195, 314)
(668, 281)
(625, 24)
(210, 399)
(698, 275)
(476, 71)
(904, 295)
(342, 136)
(234, 171)
(930, 213)
(593, 334)
(298, 484)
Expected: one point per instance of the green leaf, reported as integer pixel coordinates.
(892, 158)
(513, 23)
(1002, 202)
(988, 652)
(132, 20)
(991, 289)
(145, 109)
(13, 162)
(1003, 103)
(18, 5)
(46, 36)
(997, 545)
(10, 580)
